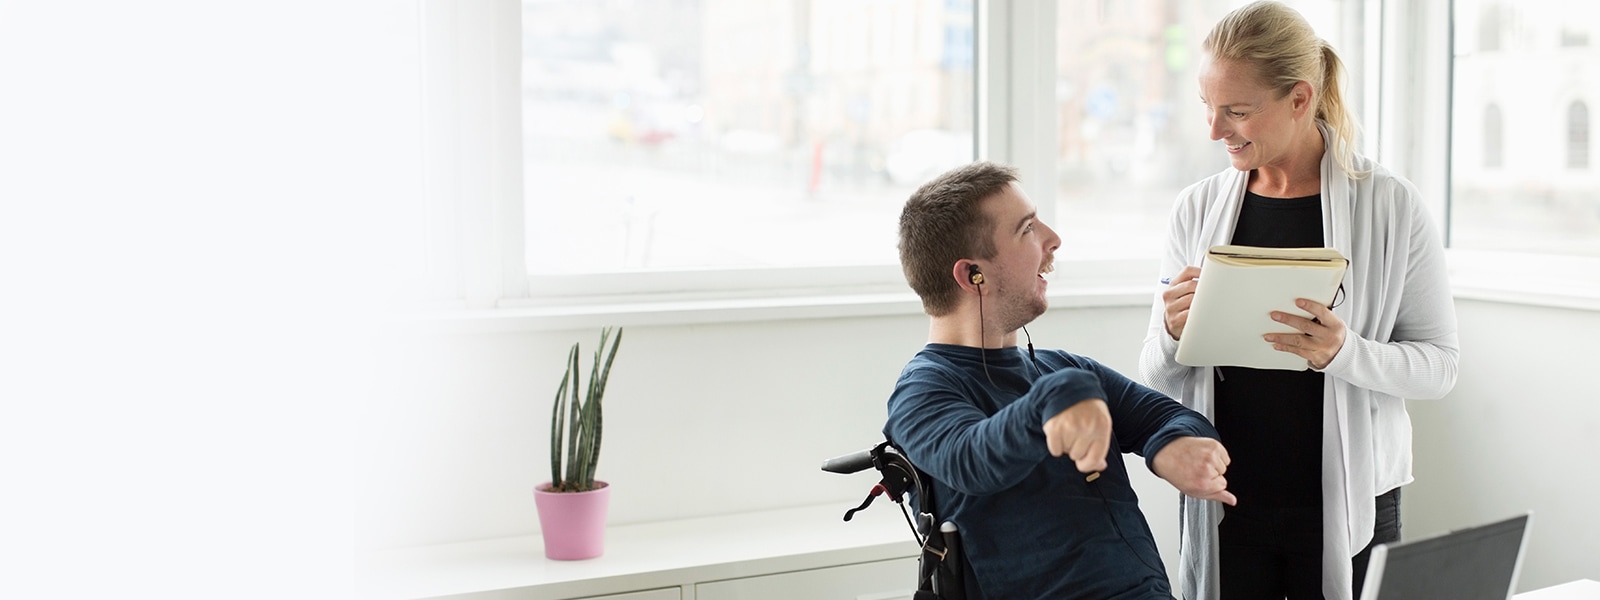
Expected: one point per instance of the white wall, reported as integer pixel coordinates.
(195, 201)
(1521, 431)
(700, 419)
(711, 419)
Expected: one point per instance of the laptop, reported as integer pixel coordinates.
(1467, 564)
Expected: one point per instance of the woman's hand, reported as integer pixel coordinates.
(1320, 338)
(1178, 296)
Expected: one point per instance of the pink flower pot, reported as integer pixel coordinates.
(573, 523)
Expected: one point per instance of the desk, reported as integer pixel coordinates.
(1582, 589)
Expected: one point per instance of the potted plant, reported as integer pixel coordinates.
(572, 505)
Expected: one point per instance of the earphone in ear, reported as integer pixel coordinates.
(974, 275)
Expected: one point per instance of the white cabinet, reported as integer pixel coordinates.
(666, 594)
(671, 593)
(881, 580)
(801, 553)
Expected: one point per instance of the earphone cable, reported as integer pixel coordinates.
(1031, 355)
(983, 338)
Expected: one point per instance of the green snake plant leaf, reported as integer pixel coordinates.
(597, 390)
(576, 426)
(580, 419)
(558, 421)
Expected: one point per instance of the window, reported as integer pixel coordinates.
(1574, 38)
(1493, 132)
(1490, 27)
(1420, 74)
(1133, 132)
(1536, 192)
(1578, 136)
(680, 134)
(689, 149)
(677, 134)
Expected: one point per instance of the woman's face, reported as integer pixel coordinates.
(1259, 126)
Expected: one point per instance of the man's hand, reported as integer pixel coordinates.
(1195, 466)
(1081, 433)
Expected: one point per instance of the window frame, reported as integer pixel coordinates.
(472, 178)
(1418, 78)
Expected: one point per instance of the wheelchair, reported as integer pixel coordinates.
(940, 568)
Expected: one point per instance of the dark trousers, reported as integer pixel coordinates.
(1276, 554)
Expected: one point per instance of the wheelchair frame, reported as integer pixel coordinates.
(940, 568)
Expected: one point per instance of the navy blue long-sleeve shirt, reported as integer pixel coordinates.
(1030, 525)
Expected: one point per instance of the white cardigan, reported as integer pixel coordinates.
(1400, 343)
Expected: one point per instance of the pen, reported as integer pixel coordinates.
(1166, 280)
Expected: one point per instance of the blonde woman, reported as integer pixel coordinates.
(1318, 456)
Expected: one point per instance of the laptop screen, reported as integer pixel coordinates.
(1467, 564)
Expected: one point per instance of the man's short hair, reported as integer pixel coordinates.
(943, 222)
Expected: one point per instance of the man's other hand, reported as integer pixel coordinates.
(1195, 466)
(1082, 433)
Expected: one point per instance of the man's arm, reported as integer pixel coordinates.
(945, 434)
(1081, 433)
(1195, 465)
(1178, 444)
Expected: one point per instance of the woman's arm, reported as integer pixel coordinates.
(1158, 363)
(1420, 355)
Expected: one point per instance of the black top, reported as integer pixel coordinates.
(1271, 420)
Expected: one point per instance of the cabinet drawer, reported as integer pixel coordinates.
(661, 594)
(882, 580)
(671, 593)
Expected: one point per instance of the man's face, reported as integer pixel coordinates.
(1024, 252)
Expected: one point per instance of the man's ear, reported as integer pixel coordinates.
(968, 275)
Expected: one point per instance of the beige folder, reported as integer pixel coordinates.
(1239, 288)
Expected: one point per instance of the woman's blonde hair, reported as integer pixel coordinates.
(1278, 42)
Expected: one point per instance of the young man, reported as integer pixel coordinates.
(1024, 448)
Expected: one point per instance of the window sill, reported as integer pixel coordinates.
(690, 298)
(1532, 280)
(601, 312)
(1549, 297)
(1546, 281)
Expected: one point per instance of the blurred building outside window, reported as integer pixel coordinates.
(723, 134)
(1524, 75)
(684, 134)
